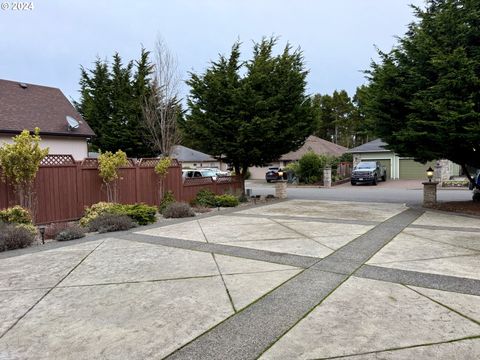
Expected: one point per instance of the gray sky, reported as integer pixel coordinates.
(48, 44)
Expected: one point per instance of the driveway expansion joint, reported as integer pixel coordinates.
(442, 304)
(445, 228)
(399, 348)
(306, 219)
(426, 280)
(222, 249)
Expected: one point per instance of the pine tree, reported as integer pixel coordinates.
(424, 94)
(251, 112)
(111, 102)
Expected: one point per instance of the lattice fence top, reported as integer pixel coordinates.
(93, 163)
(148, 162)
(198, 181)
(152, 162)
(90, 162)
(55, 160)
(130, 163)
(227, 179)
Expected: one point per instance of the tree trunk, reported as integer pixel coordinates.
(244, 176)
(469, 177)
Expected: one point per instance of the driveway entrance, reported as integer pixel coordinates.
(298, 279)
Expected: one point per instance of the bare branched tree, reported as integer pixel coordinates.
(161, 108)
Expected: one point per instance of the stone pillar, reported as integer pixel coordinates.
(327, 177)
(429, 193)
(281, 189)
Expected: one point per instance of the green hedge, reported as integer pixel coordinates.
(226, 200)
(142, 214)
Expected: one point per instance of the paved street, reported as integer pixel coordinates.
(396, 191)
(298, 279)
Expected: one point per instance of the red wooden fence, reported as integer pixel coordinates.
(64, 187)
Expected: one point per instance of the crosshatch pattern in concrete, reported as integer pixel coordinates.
(284, 281)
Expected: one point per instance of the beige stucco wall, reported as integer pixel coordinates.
(77, 147)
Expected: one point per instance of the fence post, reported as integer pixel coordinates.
(80, 197)
(137, 183)
(327, 177)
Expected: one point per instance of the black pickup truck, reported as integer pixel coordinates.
(368, 172)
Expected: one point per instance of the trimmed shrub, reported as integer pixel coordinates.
(226, 200)
(111, 222)
(16, 236)
(310, 167)
(70, 233)
(142, 214)
(178, 210)
(167, 199)
(15, 214)
(205, 198)
(96, 210)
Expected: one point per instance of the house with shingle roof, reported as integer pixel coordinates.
(312, 143)
(27, 106)
(193, 159)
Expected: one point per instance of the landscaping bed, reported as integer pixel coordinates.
(463, 207)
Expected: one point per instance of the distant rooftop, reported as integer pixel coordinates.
(318, 146)
(183, 153)
(376, 145)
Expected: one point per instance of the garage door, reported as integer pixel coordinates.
(412, 170)
(384, 162)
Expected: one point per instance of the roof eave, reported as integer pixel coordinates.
(352, 151)
(67, 134)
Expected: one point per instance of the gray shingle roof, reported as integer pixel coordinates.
(376, 145)
(183, 153)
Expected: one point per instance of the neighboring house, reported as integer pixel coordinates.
(313, 143)
(402, 167)
(27, 106)
(192, 159)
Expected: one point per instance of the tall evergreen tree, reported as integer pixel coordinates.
(111, 102)
(94, 104)
(251, 112)
(363, 124)
(335, 117)
(424, 95)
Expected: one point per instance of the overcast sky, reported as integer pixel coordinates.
(338, 37)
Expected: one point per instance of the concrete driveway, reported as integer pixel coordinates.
(298, 279)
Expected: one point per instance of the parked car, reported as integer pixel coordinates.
(197, 173)
(217, 171)
(368, 172)
(275, 174)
